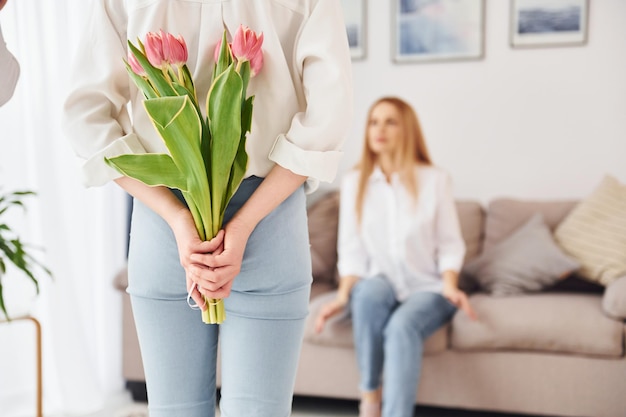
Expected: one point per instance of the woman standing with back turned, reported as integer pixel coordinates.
(259, 264)
(400, 253)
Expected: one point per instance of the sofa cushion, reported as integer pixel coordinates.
(565, 323)
(527, 260)
(614, 299)
(323, 217)
(594, 232)
(338, 329)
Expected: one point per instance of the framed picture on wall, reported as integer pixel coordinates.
(355, 16)
(536, 23)
(438, 30)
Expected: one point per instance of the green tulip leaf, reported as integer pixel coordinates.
(142, 83)
(237, 172)
(151, 169)
(224, 60)
(246, 115)
(224, 112)
(245, 76)
(181, 128)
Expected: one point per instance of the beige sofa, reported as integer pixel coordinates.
(557, 352)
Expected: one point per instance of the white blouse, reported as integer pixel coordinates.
(410, 243)
(303, 103)
(9, 72)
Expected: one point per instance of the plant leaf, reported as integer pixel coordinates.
(180, 126)
(244, 71)
(224, 60)
(2, 306)
(224, 112)
(151, 169)
(240, 163)
(246, 115)
(143, 84)
(188, 80)
(12, 248)
(237, 173)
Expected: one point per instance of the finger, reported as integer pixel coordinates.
(218, 292)
(197, 296)
(467, 308)
(214, 244)
(319, 324)
(212, 279)
(205, 259)
(219, 238)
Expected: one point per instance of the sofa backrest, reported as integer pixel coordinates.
(505, 215)
(323, 215)
(323, 218)
(481, 229)
(472, 220)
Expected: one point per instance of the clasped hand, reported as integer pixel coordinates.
(211, 265)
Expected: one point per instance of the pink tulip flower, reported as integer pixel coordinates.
(135, 65)
(174, 49)
(246, 46)
(154, 50)
(256, 63)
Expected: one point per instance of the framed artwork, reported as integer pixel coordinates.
(354, 12)
(536, 23)
(438, 30)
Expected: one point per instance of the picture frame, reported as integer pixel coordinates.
(438, 30)
(549, 23)
(355, 16)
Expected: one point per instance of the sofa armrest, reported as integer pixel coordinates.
(614, 299)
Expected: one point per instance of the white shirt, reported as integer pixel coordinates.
(410, 243)
(9, 72)
(303, 103)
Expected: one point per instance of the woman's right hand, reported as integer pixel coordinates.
(329, 310)
(189, 243)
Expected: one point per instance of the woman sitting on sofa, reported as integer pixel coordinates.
(400, 251)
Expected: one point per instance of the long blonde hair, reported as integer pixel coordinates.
(411, 151)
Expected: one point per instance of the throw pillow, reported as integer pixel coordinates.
(594, 233)
(526, 261)
(614, 299)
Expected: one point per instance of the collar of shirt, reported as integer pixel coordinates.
(378, 175)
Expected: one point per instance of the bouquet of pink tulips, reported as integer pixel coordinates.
(207, 152)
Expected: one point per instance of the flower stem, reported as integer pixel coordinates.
(215, 312)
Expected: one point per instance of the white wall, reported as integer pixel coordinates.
(526, 123)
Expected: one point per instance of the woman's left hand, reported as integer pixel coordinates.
(215, 272)
(459, 299)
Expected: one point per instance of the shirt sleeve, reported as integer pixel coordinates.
(352, 255)
(312, 145)
(9, 72)
(95, 117)
(450, 243)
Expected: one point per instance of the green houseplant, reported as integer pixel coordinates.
(12, 249)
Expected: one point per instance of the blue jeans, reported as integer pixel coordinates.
(260, 339)
(387, 331)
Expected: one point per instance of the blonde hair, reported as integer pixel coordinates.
(411, 151)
